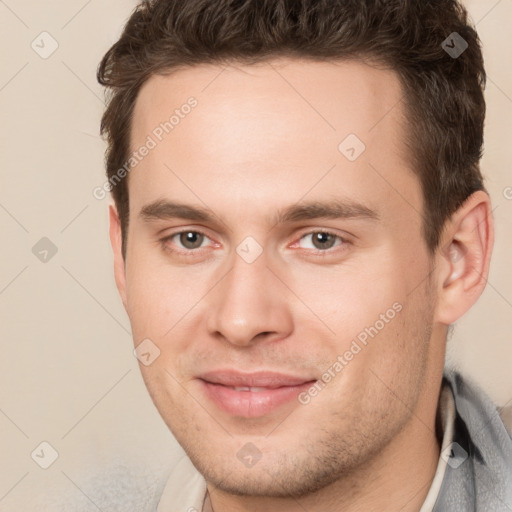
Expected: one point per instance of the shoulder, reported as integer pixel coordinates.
(505, 413)
(477, 413)
(482, 477)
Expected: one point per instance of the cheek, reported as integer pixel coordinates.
(145, 304)
(169, 397)
(151, 299)
(347, 298)
(374, 310)
(381, 364)
(162, 301)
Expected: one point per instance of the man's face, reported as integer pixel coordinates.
(247, 289)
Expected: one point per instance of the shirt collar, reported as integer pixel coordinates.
(446, 421)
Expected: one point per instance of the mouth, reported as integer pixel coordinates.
(251, 395)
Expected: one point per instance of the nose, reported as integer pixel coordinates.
(249, 304)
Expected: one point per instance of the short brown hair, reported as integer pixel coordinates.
(443, 92)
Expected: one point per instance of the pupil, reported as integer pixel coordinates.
(322, 239)
(191, 240)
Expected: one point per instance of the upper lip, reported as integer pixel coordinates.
(261, 379)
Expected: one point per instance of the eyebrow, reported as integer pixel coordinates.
(334, 209)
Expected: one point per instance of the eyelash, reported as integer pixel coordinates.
(326, 252)
(194, 252)
(183, 252)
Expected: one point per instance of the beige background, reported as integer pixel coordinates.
(68, 375)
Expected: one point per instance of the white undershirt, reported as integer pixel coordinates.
(447, 416)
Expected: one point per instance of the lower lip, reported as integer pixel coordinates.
(251, 404)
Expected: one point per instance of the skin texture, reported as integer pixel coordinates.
(263, 138)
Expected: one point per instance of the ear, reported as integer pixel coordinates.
(464, 257)
(119, 264)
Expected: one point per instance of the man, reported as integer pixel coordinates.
(299, 218)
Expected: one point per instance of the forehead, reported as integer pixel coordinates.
(337, 97)
(271, 126)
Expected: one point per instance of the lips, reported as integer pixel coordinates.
(251, 395)
(254, 389)
(262, 379)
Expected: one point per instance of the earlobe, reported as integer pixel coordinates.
(464, 260)
(119, 263)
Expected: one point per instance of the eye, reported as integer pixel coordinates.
(188, 239)
(320, 240)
